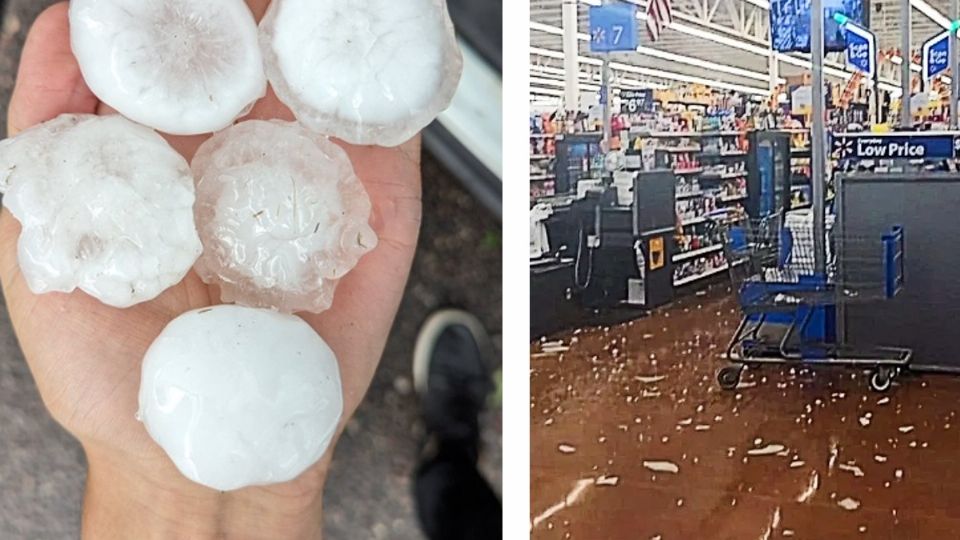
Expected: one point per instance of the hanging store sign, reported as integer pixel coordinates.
(936, 55)
(636, 101)
(613, 28)
(855, 146)
(790, 24)
(861, 49)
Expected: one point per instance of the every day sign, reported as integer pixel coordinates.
(936, 55)
(895, 146)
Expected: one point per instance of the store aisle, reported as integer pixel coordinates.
(632, 439)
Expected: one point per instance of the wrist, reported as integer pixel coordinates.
(149, 498)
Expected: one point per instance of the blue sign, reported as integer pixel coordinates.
(613, 28)
(603, 95)
(861, 49)
(790, 24)
(930, 145)
(936, 55)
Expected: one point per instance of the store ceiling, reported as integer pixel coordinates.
(743, 21)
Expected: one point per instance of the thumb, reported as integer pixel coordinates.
(49, 82)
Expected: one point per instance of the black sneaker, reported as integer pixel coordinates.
(452, 376)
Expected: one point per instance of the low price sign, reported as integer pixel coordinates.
(936, 55)
(894, 146)
(613, 28)
(861, 49)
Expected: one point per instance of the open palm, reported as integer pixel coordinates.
(85, 356)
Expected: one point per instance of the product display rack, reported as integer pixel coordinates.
(711, 174)
(542, 155)
(800, 173)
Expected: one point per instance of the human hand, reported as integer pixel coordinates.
(86, 356)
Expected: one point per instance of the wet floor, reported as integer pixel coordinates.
(632, 439)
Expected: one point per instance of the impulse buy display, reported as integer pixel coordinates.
(107, 206)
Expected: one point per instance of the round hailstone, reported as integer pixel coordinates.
(181, 66)
(240, 396)
(106, 206)
(281, 215)
(365, 71)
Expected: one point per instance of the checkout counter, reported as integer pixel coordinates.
(917, 187)
(608, 261)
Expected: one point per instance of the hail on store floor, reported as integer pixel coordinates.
(633, 439)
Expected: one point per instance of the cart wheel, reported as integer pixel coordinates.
(881, 380)
(729, 377)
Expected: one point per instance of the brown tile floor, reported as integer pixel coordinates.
(792, 453)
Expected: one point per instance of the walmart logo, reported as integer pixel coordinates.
(843, 148)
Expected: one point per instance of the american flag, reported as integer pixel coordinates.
(659, 15)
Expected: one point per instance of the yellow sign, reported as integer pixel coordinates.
(657, 258)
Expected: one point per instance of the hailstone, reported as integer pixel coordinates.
(106, 205)
(281, 215)
(239, 396)
(365, 71)
(180, 66)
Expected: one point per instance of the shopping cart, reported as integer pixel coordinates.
(793, 314)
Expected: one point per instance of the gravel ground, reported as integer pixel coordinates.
(368, 495)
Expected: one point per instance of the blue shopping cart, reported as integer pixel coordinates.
(790, 312)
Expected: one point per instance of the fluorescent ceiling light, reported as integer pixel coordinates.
(669, 56)
(555, 82)
(663, 55)
(620, 81)
(655, 72)
(536, 90)
(929, 11)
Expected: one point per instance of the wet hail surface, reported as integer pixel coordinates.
(631, 438)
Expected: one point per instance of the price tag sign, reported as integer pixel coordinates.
(636, 101)
(936, 55)
(613, 28)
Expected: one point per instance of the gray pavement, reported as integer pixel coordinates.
(42, 468)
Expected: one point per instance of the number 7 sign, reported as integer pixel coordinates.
(613, 28)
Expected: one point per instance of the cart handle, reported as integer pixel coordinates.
(893, 263)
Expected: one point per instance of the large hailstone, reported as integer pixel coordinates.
(240, 396)
(365, 71)
(181, 66)
(281, 215)
(105, 205)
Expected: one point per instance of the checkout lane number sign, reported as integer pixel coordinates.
(613, 28)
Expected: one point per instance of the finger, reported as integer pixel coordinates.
(49, 82)
(367, 299)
